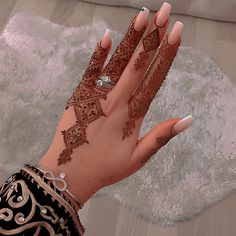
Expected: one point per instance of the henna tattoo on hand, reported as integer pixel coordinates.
(139, 103)
(87, 107)
(161, 141)
(85, 98)
(123, 53)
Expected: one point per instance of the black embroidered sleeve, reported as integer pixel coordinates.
(30, 205)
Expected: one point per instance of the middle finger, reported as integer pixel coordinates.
(143, 56)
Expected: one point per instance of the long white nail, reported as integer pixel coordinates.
(182, 125)
(106, 39)
(163, 14)
(175, 33)
(142, 19)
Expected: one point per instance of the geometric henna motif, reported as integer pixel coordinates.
(95, 66)
(73, 137)
(84, 92)
(85, 98)
(86, 104)
(140, 101)
(88, 111)
(150, 42)
(123, 53)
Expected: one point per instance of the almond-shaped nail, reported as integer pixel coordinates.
(182, 125)
(163, 14)
(175, 34)
(142, 19)
(106, 39)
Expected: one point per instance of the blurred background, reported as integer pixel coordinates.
(210, 26)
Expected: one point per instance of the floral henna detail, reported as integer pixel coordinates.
(139, 103)
(73, 137)
(161, 141)
(87, 107)
(128, 129)
(123, 53)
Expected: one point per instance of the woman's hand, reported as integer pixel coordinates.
(96, 143)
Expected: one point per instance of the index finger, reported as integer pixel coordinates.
(141, 99)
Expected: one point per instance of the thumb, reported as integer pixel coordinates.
(157, 137)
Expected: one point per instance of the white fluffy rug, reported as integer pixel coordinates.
(40, 65)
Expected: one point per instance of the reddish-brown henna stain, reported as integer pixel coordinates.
(123, 53)
(140, 101)
(85, 98)
(87, 107)
(150, 42)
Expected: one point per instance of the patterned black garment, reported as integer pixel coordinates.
(31, 205)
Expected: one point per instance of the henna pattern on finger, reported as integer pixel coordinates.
(160, 141)
(85, 98)
(86, 104)
(139, 103)
(123, 53)
(150, 42)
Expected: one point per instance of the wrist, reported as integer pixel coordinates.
(76, 178)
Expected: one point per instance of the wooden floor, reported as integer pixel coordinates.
(217, 39)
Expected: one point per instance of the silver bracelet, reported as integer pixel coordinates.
(49, 175)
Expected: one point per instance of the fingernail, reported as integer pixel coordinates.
(163, 14)
(182, 125)
(175, 33)
(106, 39)
(141, 19)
